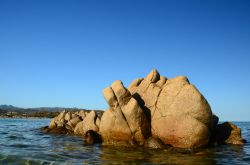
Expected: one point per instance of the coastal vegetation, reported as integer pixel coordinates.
(9, 111)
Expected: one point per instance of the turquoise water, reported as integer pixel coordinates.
(21, 142)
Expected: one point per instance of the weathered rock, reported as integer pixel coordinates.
(113, 126)
(227, 133)
(57, 130)
(73, 122)
(182, 131)
(125, 120)
(89, 123)
(58, 121)
(78, 130)
(178, 101)
(81, 114)
(53, 123)
(68, 116)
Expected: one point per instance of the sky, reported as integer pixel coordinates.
(64, 53)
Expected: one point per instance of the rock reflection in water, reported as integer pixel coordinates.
(115, 155)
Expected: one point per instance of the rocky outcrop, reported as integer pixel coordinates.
(153, 112)
(125, 120)
(77, 123)
(178, 113)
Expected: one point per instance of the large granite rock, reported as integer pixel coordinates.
(125, 120)
(180, 115)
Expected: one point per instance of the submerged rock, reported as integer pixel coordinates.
(92, 137)
(227, 133)
(154, 143)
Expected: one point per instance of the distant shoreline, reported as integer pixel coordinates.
(21, 117)
(9, 111)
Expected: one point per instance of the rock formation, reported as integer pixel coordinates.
(180, 115)
(154, 111)
(77, 123)
(125, 120)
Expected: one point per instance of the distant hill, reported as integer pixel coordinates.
(10, 110)
(51, 109)
(9, 107)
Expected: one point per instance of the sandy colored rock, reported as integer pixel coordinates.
(113, 126)
(73, 122)
(89, 122)
(81, 114)
(162, 81)
(110, 98)
(125, 119)
(174, 97)
(78, 130)
(153, 76)
(61, 116)
(121, 93)
(136, 119)
(52, 124)
(182, 132)
(67, 116)
(135, 84)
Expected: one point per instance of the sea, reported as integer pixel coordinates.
(22, 142)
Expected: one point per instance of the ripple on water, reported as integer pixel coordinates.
(16, 137)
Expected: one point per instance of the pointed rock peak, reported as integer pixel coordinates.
(110, 97)
(153, 76)
(117, 83)
(121, 93)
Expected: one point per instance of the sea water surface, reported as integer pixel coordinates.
(22, 142)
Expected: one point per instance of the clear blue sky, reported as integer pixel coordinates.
(63, 53)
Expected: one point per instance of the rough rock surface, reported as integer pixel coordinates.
(125, 120)
(89, 123)
(178, 111)
(77, 123)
